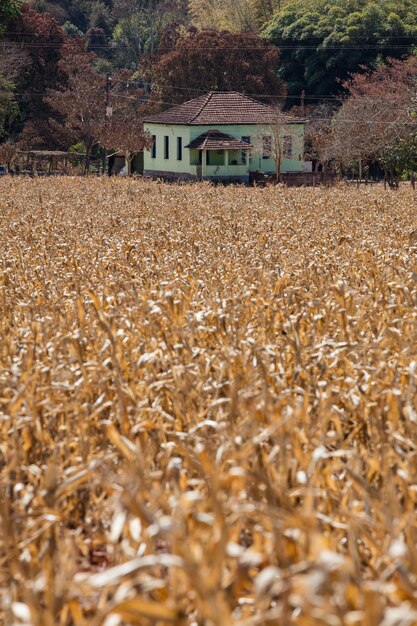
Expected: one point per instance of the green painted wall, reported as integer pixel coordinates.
(160, 164)
(189, 133)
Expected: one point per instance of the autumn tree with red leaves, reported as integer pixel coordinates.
(81, 102)
(378, 121)
(123, 128)
(215, 61)
(318, 136)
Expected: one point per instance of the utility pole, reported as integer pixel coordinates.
(303, 110)
(107, 114)
(109, 109)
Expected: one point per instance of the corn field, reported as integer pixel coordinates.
(208, 405)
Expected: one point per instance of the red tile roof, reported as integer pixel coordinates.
(221, 107)
(215, 140)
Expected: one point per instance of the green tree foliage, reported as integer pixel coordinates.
(140, 27)
(82, 14)
(233, 15)
(42, 39)
(8, 106)
(119, 31)
(323, 41)
(10, 61)
(9, 109)
(72, 30)
(100, 17)
(8, 10)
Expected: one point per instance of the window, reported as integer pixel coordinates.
(287, 146)
(153, 153)
(266, 147)
(179, 148)
(244, 157)
(166, 147)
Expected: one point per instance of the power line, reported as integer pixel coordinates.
(202, 91)
(318, 47)
(306, 119)
(408, 37)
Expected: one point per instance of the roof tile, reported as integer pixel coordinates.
(216, 140)
(221, 108)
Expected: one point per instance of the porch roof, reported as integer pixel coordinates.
(216, 140)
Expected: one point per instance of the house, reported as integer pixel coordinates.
(222, 136)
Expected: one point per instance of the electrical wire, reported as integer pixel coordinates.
(304, 119)
(35, 43)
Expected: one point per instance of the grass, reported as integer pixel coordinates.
(208, 410)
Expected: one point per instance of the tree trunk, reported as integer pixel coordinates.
(103, 160)
(128, 161)
(278, 171)
(87, 159)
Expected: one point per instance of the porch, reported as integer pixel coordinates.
(217, 156)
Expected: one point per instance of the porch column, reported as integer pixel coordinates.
(247, 162)
(203, 163)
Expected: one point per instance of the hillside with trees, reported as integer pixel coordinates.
(322, 42)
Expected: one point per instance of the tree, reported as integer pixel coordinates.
(215, 61)
(100, 17)
(71, 29)
(273, 143)
(8, 151)
(318, 136)
(99, 34)
(123, 130)
(96, 41)
(9, 63)
(12, 59)
(140, 26)
(265, 9)
(8, 106)
(323, 41)
(55, 9)
(42, 39)
(233, 15)
(81, 102)
(76, 12)
(378, 120)
(8, 10)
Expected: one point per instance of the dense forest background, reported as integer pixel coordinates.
(133, 56)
